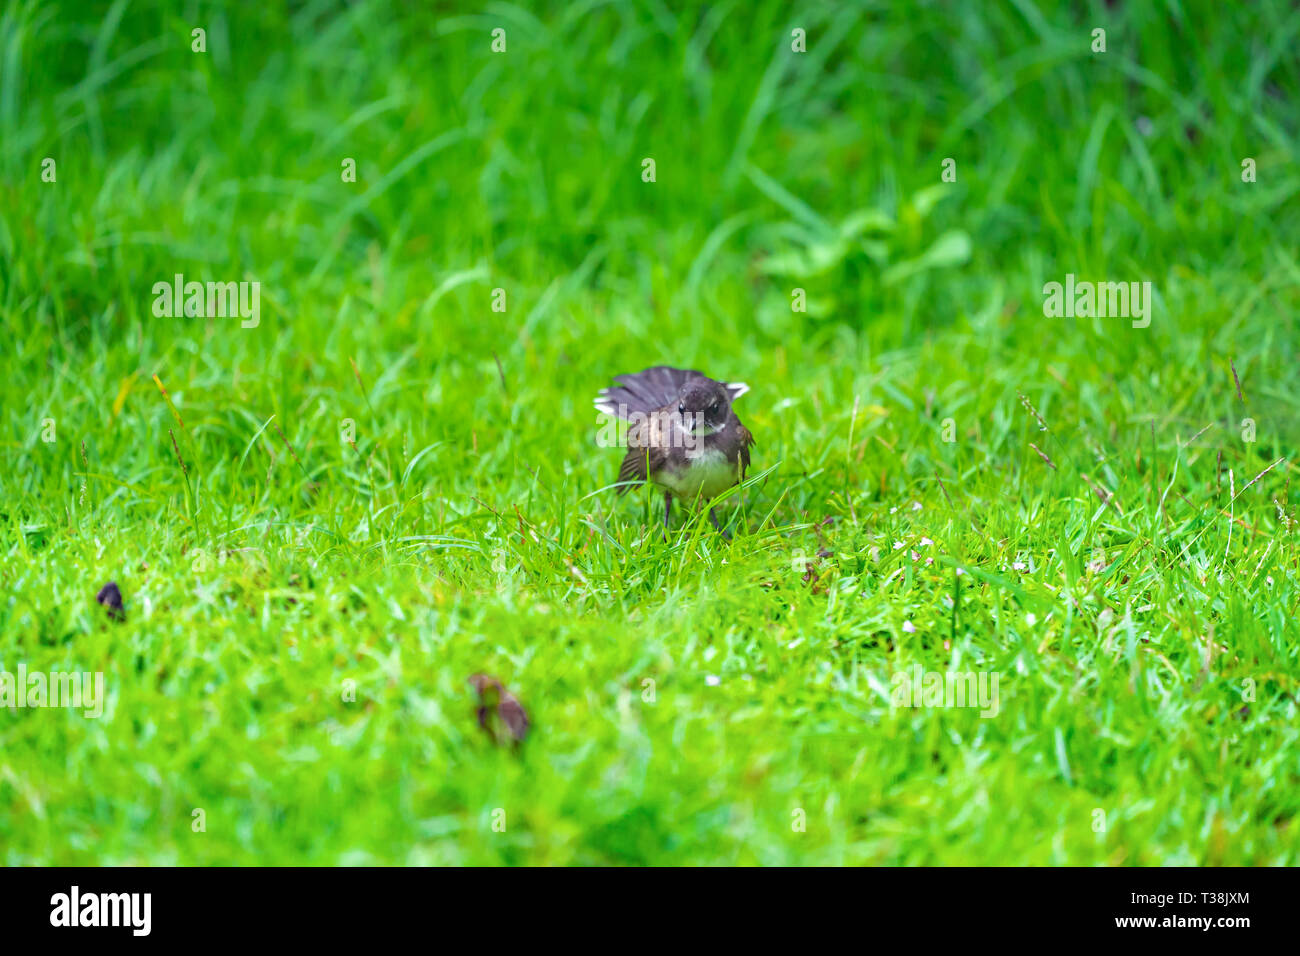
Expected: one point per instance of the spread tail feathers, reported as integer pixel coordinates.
(643, 392)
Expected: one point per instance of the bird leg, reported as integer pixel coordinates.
(718, 527)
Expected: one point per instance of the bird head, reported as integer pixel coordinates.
(704, 405)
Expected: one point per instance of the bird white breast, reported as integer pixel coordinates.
(706, 475)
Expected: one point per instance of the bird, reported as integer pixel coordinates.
(111, 597)
(684, 435)
(499, 711)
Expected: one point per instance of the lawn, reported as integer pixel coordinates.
(326, 516)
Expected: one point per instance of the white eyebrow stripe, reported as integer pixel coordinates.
(737, 389)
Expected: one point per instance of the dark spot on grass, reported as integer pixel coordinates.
(111, 597)
(499, 710)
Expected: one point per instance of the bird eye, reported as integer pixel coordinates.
(681, 408)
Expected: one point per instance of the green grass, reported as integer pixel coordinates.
(466, 530)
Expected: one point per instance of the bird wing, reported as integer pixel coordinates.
(746, 442)
(644, 457)
(644, 391)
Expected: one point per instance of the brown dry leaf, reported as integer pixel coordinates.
(497, 709)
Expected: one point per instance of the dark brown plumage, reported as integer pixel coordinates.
(496, 704)
(684, 435)
(111, 597)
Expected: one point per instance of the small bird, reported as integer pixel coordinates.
(684, 436)
(499, 711)
(111, 597)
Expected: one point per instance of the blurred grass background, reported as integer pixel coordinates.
(461, 532)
